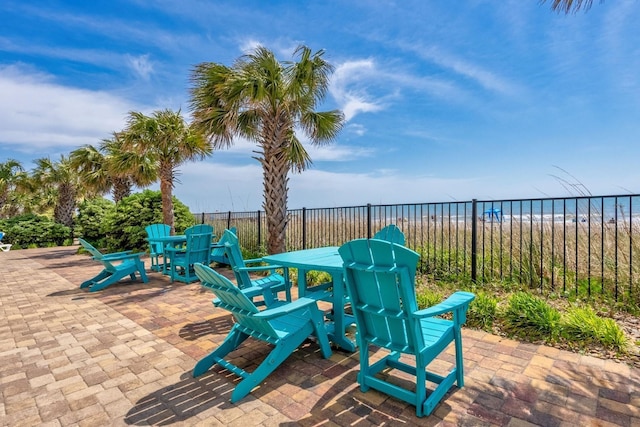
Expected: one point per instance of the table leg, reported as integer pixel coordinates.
(337, 327)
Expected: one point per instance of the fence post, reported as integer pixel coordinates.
(368, 220)
(229, 220)
(202, 219)
(259, 230)
(474, 239)
(304, 228)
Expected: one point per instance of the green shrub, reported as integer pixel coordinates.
(426, 298)
(124, 225)
(90, 223)
(315, 278)
(583, 326)
(529, 316)
(482, 311)
(33, 231)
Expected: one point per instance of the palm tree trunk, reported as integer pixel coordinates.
(121, 188)
(275, 168)
(166, 189)
(66, 205)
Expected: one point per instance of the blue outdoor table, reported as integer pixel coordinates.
(322, 259)
(172, 241)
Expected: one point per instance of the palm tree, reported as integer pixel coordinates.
(567, 6)
(166, 141)
(9, 177)
(57, 184)
(265, 101)
(111, 168)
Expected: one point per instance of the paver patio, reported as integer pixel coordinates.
(123, 356)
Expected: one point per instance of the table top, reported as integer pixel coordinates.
(168, 239)
(324, 259)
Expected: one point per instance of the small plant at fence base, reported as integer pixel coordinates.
(482, 311)
(582, 326)
(531, 317)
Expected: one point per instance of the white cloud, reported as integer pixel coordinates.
(338, 153)
(356, 128)
(37, 113)
(141, 65)
(348, 87)
(237, 188)
(485, 78)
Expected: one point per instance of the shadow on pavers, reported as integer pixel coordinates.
(183, 400)
(220, 325)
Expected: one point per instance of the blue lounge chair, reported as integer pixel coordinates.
(380, 279)
(285, 326)
(219, 251)
(117, 265)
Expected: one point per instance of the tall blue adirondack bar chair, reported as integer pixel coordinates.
(286, 326)
(380, 279)
(182, 260)
(156, 249)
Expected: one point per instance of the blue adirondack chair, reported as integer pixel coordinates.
(117, 265)
(271, 284)
(219, 252)
(380, 279)
(181, 260)
(285, 326)
(390, 233)
(4, 247)
(199, 229)
(156, 249)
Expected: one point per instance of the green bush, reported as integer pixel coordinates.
(583, 326)
(34, 231)
(90, 223)
(529, 316)
(426, 298)
(124, 225)
(482, 311)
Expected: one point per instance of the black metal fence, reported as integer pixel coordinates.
(578, 245)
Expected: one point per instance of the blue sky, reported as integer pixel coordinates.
(444, 100)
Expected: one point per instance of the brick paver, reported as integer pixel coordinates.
(123, 356)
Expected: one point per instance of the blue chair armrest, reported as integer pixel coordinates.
(258, 268)
(175, 250)
(116, 254)
(284, 309)
(454, 302)
(121, 256)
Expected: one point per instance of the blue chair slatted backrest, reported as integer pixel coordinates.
(380, 279)
(156, 249)
(199, 229)
(391, 233)
(219, 252)
(182, 260)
